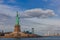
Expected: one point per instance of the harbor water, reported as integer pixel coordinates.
(43, 38)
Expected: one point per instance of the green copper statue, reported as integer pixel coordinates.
(17, 19)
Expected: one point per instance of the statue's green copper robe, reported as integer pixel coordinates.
(17, 19)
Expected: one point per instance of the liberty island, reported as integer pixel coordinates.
(17, 32)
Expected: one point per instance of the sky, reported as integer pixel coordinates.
(42, 15)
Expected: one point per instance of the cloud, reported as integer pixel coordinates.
(38, 12)
(55, 5)
(8, 10)
(43, 25)
(46, 24)
(1, 1)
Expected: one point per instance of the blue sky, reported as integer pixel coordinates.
(43, 15)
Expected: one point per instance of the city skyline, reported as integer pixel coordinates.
(37, 14)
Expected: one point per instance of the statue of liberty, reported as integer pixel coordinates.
(17, 25)
(17, 19)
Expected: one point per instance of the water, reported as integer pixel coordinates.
(44, 38)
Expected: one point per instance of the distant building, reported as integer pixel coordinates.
(32, 30)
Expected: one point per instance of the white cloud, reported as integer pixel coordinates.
(55, 4)
(8, 10)
(48, 21)
(43, 25)
(37, 12)
(46, 24)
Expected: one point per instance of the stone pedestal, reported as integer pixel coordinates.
(17, 28)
